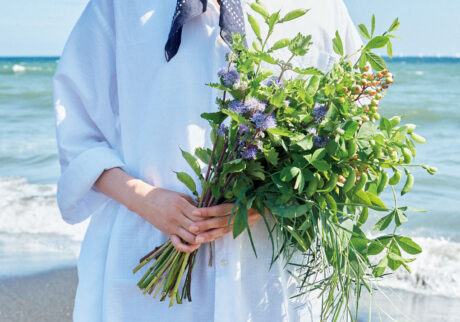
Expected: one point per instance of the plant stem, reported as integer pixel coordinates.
(176, 286)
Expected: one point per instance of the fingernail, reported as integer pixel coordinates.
(196, 213)
(199, 239)
(193, 229)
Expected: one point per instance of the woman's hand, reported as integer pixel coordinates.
(171, 212)
(214, 222)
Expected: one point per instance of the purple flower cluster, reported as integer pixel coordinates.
(222, 130)
(320, 141)
(250, 152)
(319, 113)
(243, 129)
(229, 77)
(254, 105)
(237, 106)
(264, 121)
(274, 82)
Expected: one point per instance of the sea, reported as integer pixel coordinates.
(34, 238)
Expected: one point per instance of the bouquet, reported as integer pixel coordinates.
(311, 154)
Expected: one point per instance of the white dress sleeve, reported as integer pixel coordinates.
(86, 114)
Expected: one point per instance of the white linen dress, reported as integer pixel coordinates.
(118, 103)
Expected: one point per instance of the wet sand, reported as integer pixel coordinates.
(43, 297)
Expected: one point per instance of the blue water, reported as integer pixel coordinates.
(426, 92)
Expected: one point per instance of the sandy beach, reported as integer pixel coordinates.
(44, 297)
(49, 297)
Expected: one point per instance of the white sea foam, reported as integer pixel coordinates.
(436, 270)
(419, 72)
(32, 208)
(18, 68)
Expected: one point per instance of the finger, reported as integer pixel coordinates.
(186, 235)
(188, 209)
(212, 235)
(203, 225)
(219, 210)
(180, 246)
(188, 198)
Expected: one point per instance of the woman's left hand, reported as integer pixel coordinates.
(215, 222)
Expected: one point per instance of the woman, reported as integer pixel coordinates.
(122, 112)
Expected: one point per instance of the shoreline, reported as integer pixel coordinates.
(49, 296)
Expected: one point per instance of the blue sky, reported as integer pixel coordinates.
(40, 27)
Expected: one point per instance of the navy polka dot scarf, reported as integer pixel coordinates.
(231, 21)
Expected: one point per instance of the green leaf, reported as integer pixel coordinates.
(362, 197)
(364, 32)
(385, 126)
(400, 217)
(255, 26)
(321, 165)
(306, 143)
(216, 118)
(294, 14)
(239, 222)
(193, 163)
(234, 166)
(203, 154)
(377, 42)
(272, 20)
(237, 117)
(272, 156)
(394, 26)
(289, 173)
(280, 131)
(187, 180)
(378, 245)
(260, 10)
(381, 266)
(292, 211)
(389, 49)
(300, 44)
(308, 71)
(337, 44)
(266, 57)
(384, 222)
(350, 129)
(282, 43)
(377, 62)
(408, 245)
(255, 170)
(372, 25)
(376, 200)
(312, 86)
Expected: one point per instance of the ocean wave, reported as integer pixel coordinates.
(32, 208)
(435, 272)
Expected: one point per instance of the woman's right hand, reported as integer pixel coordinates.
(170, 212)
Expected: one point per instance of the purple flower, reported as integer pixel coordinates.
(319, 113)
(264, 121)
(237, 106)
(222, 130)
(274, 82)
(229, 77)
(312, 130)
(243, 129)
(287, 102)
(254, 105)
(319, 141)
(250, 152)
